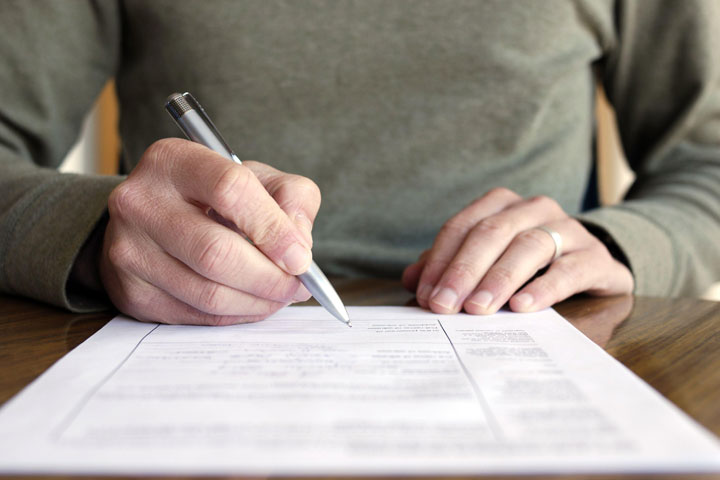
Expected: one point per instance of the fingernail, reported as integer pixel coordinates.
(446, 298)
(297, 258)
(305, 226)
(424, 292)
(482, 299)
(524, 301)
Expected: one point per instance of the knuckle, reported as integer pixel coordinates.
(545, 203)
(160, 153)
(267, 231)
(314, 192)
(533, 239)
(501, 277)
(211, 254)
(281, 288)
(307, 189)
(492, 227)
(230, 187)
(434, 267)
(123, 200)
(502, 193)
(456, 226)
(121, 253)
(299, 192)
(462, 271)
(211, 298)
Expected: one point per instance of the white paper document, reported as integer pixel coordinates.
(404, 391)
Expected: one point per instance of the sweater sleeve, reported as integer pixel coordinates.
(663, 77)
(56, 56)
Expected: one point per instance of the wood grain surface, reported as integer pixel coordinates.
(672, 344)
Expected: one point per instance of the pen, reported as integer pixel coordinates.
(197, 126)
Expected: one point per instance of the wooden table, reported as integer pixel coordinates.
(672, 344)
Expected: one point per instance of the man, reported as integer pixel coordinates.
(402, 113)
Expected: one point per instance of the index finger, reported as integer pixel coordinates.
(202, 176)
(453, 234)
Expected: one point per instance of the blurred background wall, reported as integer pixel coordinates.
(98, 147)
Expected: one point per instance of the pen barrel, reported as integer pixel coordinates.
(189, 115)
(198, 131)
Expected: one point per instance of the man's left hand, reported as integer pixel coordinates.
(484, 255)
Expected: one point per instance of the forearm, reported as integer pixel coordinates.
(44, 226)
(56, 58)
(670, 222)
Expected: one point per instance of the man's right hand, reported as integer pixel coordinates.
(164, 259)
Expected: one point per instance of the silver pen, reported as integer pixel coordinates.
(197, 126)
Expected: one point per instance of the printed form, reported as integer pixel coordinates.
(404, 391)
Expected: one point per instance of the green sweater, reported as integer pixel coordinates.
(402, 111)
